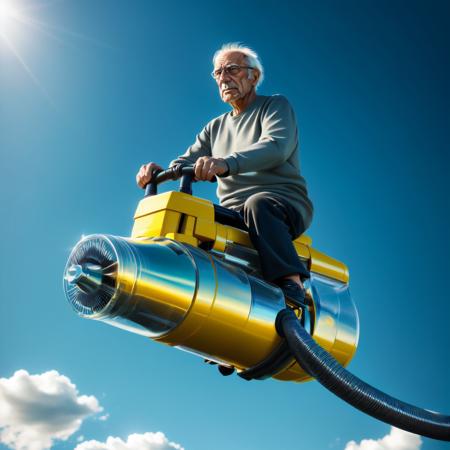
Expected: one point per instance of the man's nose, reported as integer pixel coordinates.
(224, 76)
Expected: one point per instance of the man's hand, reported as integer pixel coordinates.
(207, 167)
(144, 175)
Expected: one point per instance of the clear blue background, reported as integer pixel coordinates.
(123, 83)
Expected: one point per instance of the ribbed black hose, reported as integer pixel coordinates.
(319, 364)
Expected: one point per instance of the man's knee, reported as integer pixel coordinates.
(257, 203)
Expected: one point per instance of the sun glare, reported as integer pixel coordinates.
(7, 11)
(8, 15)
(19, 25)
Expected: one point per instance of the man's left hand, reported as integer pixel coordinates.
(207, 167)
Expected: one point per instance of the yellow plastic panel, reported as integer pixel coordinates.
(156, 224)
(221, 237)
(188, 223)
(330, 267)
(205, 230)
(239, 237)
(182, 238)
(305, 240)
(176, 201)
(302, 250)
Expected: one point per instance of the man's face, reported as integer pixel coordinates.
(234, 87)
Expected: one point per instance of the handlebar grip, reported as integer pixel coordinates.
(151, 188)
(186, 173)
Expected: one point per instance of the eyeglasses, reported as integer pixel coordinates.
(232, 69)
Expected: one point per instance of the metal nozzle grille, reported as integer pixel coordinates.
(92, 255)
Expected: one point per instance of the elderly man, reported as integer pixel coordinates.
(255, 148)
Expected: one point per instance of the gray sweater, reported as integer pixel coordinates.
(260, 146)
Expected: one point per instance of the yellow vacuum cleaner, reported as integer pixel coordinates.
(189, 277)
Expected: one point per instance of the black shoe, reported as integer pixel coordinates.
(293, 292)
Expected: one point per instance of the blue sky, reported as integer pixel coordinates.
(109, 85)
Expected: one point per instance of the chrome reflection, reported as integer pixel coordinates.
(151, 290)
(335, 322)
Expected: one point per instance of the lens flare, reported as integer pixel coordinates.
(20, 24)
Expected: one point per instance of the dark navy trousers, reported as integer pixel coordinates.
(273, 224)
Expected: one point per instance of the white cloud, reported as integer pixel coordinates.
(35, 410)
(145, 441)
(396, 440)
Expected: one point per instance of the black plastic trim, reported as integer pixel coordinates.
(274, 363)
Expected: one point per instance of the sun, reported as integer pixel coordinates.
(12, 26)
(7, 11)
(8, 16)
(20, 24)
(11, 21)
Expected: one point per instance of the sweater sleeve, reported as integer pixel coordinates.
(201, 147)
(277, 142)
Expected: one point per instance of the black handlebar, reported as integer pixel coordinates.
(185, 173)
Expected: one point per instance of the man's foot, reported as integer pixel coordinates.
(293, 292)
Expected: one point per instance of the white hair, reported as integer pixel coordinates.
(251, 58)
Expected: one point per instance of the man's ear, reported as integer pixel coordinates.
(256, 75)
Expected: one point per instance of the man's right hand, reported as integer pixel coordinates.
(144, 175)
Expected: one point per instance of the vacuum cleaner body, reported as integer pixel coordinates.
(190, 278)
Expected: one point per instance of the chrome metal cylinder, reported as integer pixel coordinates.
(186, 297)
(146, 286)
